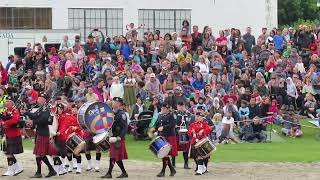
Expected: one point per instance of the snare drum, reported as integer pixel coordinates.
(160, 147)
(183, 136)
(102, 141)
(75, 143)
(204, 147)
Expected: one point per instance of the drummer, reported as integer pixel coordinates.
(119, 129)
(207, 119)
(165, 126)
(70, 125)
(183, 120)
(60, 141)
(197, 131)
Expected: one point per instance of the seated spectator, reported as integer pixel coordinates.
(259, 129)
(246, 131)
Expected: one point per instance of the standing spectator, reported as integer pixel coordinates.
(196, 38)
(279, 40)
(124, 47)
(249, 40)
(65, 43)
(129, 90)
(263, 37)
(116, 89)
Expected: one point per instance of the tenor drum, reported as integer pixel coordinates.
(102, 141)
(183, 136)
(160, 147)
(97, 117)
(204, 147)
(75, 143)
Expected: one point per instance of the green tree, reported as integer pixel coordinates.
(290, 11)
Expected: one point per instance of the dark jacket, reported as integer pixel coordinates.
(168, 123)
(196, 41)
(120, 124)
(41, 121)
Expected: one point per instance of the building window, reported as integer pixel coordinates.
(25, 18)
(165, 20)
(109, 21)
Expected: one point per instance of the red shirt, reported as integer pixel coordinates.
(66, 124)
(197, 127)
(73, 70)
(12, 132)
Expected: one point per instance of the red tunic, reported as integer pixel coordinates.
(197, 127)
(66, 128)
(12, 132)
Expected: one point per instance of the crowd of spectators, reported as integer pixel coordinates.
(241, 81)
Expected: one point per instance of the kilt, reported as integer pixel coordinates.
(13, 145)
(90, 146)
(183, 147)
(61, 147)
(172, 140)
(118, 152)
(43, 146)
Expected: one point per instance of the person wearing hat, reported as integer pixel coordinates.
(165, 127)
(13, 137)
(90, 47)
(119, 129)
(153, 86)
(197, 131)
(41, 120)
(183, 120)
(70, 125)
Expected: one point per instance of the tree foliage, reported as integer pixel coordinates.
(289, 11)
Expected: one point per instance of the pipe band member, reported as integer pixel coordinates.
(165, 126)
(184, 119)
(119, 129)
(41, 120)
(13, 140)
(197, 131)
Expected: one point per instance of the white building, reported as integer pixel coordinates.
(111, 16)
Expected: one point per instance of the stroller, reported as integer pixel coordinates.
(140, 127)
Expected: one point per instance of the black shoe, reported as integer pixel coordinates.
(198, 174)
(108, 176)
(186, 166)
(173, 172)
(161, 174)
(51, 173)
(37, 175)
(123, 175)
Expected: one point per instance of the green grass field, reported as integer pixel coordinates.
(304, 149)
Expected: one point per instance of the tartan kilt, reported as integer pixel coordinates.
(43, 146)
(118, 151)
(172, 140)
(61, 147)
(90, 146)
(13, 145)
(183, 147)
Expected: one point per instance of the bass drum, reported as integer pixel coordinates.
(96, 117)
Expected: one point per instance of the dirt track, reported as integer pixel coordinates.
(148, 170)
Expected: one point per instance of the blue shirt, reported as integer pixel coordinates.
(125, 51)
(198, 85)
(278, 42)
